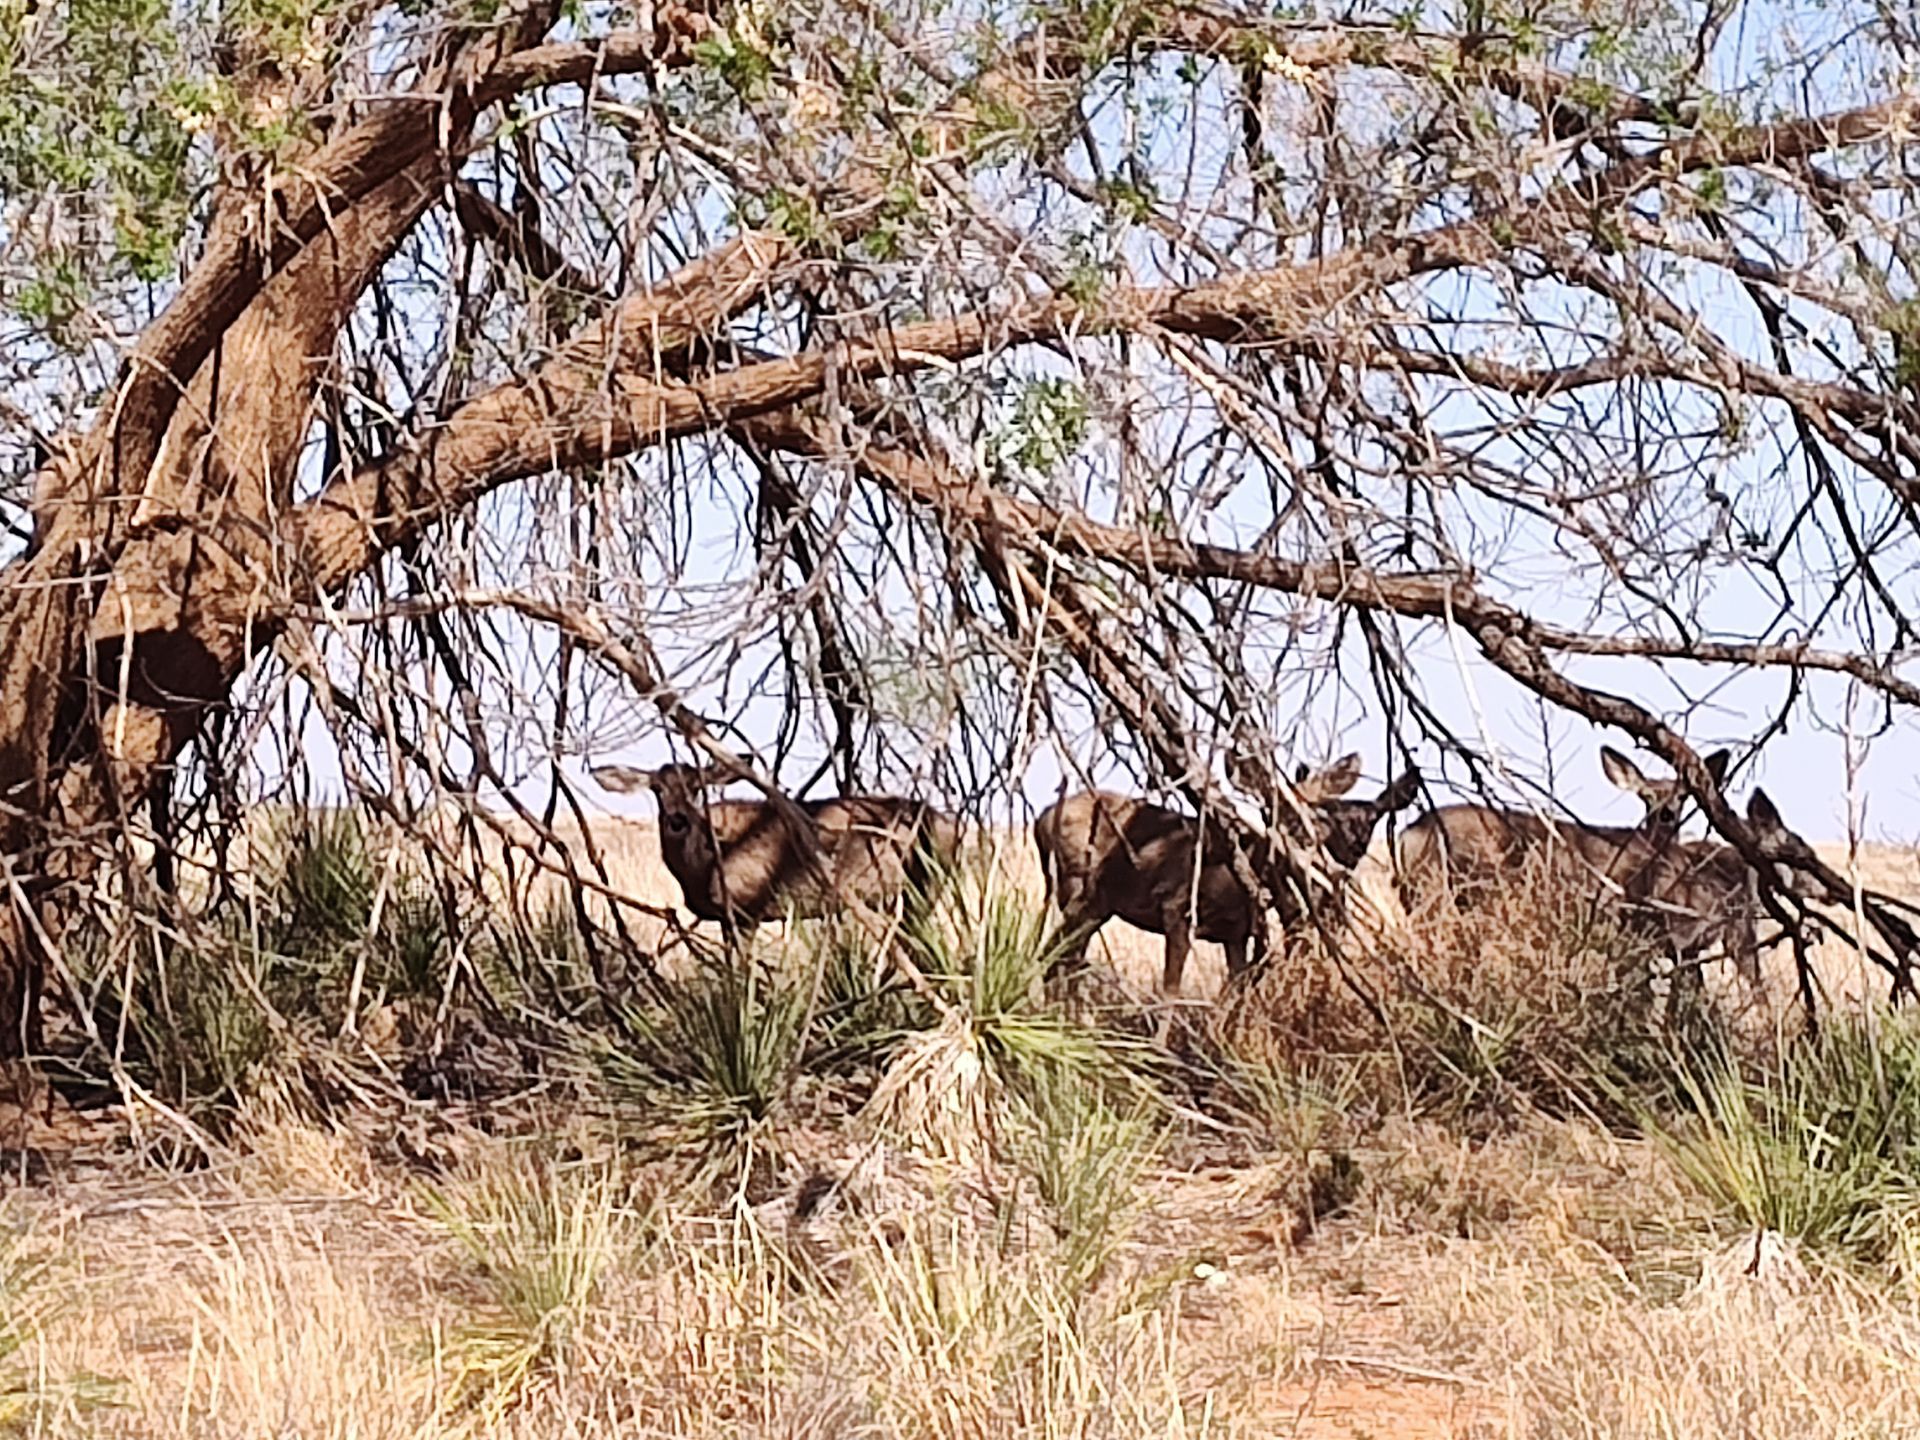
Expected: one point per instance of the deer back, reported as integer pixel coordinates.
(1478, 845)
(740, 855)
(1106, 855)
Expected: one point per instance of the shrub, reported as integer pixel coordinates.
(203, 1008)
(541, 1238)
(1822, 1145)
(1085, 1156)
(710, 1061)
(986, 954)
(1539, 999)
(1535, 999)
(329, 904)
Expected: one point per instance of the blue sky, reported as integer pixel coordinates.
(1836, 766)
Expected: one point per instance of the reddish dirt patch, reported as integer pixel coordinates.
(1344, 1406)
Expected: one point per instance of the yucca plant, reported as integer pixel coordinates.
(320, 892)
(988, 1051)
(331, 904)
(198, 1022)
(987, 953)
(542, 1239)
(1085, 1156)
(411, 946)
(1823, 1145)
(863, 1007)
(541, 954)
(711, 1060)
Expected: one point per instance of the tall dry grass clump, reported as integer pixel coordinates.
(1537, 997)
(1820, 1143)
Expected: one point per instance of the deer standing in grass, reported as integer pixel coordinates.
(1104, 856)
(742, 862)
(1700, 893)
(1687, 893)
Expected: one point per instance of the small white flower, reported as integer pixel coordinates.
(1278, 62)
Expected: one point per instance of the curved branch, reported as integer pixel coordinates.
(1510, 640)
(301, 207)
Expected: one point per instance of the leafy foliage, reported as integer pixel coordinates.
(1048, 422)
(98, 114)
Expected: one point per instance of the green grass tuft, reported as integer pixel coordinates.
(1822, 1146)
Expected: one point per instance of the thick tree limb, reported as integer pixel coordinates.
(585, 407)
(399, 132)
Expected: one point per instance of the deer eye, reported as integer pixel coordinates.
(676, 824)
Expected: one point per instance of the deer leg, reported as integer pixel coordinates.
(1076, 933)
(1236, 957)
(1179, 933)
(1247, 954)
(1685, 988)
(1745, 953)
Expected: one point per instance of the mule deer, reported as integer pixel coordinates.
(742, 862)
(1700, 893)
(1104, 855)
(1687, 895)
(1462, 849)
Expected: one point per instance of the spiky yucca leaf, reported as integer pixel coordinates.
(1822, 1146)
(542, 1239)
(714, 1056)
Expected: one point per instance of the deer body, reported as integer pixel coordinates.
(743, 862)
(1700, 893)
(1462, 849)
(1688, 895)
(1466, 848)
(1105, 856)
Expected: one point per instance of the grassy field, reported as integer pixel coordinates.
(1004, 1216)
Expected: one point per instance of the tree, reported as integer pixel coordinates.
(342, 330)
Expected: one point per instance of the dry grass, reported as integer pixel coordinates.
(1355, 1268)
(1547, 1283)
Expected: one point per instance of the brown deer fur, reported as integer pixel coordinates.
(1699, 894)
(739, 860)
(1689, 895)
(1462, 849)
(1105, 855)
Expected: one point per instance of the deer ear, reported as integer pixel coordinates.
(1622, 771)
(1717, 763)
(1332, 782)
(1763, 814)
(1400, 794)
(621, 779)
